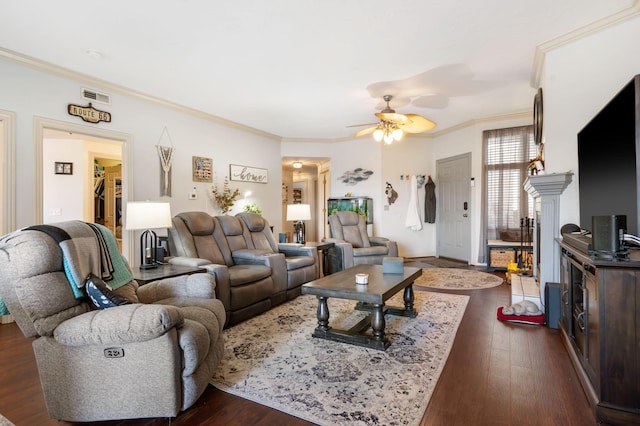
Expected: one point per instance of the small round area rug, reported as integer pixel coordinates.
(456, 279)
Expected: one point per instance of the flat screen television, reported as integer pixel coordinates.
(609, 160)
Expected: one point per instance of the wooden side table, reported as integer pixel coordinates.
(163, 271)
(323, 248)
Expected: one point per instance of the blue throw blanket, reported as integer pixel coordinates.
(88, 248)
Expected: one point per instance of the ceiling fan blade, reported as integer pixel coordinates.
(365, 131)
(417, 124)
(393, 117)
(365, 124)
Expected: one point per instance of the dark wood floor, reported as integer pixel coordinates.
(497, 374)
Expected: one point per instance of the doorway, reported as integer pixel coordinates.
(454, 209)
(71, 196)
(107, 194)
(7, 174)
(306, 182)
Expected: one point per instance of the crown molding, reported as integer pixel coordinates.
(513, 116)
(115, 88)
(578, 34)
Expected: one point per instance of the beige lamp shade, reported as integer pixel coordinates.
(297, 212)
(147, 215)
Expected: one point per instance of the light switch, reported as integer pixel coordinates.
(193, 195)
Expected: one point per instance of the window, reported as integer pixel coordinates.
(507, 153)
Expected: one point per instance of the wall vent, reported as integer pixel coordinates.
(94, 96)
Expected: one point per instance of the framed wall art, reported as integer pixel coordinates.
(248, 174)
(62, 168)
(202, 169)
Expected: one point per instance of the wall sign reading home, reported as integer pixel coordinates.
(248, 174)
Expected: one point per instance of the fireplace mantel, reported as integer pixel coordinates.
(552, 184)
(548, 188)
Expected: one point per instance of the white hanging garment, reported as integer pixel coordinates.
(413, 216)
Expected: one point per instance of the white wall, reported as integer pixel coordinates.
(413, 155)
(30, 93)
(63, 194)
(579, 79)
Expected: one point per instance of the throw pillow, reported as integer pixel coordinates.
(101, 295)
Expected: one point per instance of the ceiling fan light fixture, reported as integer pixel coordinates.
(388, 138)
(378, 134)
(397, 134)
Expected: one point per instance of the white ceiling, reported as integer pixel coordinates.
(306, 68)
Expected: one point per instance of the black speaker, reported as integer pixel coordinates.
(605, 232)
(552, 304)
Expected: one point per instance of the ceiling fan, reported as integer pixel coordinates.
(393, 125)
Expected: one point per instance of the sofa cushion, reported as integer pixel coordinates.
(254, 222)
(198, 223)
(230, 225)
(101, 295)
(352, 235)
(244, 274)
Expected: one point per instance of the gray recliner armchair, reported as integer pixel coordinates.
(353, 246)
(152, 357)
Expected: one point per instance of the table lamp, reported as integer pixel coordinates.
(147, 216)
(297, 213)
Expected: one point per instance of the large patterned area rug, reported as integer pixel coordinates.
(4, 421)
(456, 279)
(273, 360)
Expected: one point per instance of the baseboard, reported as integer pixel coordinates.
(6, 319)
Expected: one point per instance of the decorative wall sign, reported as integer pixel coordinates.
(63, 168)
(89, 113)
(202, 169)
(248, 174)
(355, 176)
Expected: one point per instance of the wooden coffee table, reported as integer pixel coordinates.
(370, 297)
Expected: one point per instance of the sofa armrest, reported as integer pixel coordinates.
(275, 261)
(118, 325)
(343, 250)
(198, 285)
(222, 283)
(392, 246)
(253, 257)
(296, 250)
(379, 241)
(188, 261)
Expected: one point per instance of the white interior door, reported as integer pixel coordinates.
(454, 209)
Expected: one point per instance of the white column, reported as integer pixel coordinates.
(548, 188)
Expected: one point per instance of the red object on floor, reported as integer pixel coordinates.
(522, 319)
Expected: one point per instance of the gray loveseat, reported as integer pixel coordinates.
(150, 358)
(252, 274)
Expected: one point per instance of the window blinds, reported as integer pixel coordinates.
(507, 156)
